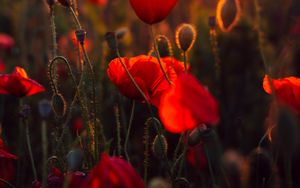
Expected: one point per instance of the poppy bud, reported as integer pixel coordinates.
(160, 146)
(50, 2)
(80, 35)
(75, 159)
(228, 14)
(59, 104)
(111, 40)
(121, 32)
(196, 135)
(260, 168)
(25, 111)
(185, 37)
(44, 108)
(65, 3)
(164, 46)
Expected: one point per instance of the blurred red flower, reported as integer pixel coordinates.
(7, 165)
(148, 75)
(196, 157)
(55, 178)
(2, 66)
(228, 14)
(152, 11)
(113, 172)
(187, 104)
(98, 2)
(18, 84)
(6, 42)
(287, 91)
(77, 125)
(76, 179)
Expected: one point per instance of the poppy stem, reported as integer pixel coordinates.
(185, 148)
(118, 122)
(178, 146)
(54, 42)
(157, 55)
(30, 149)
(209, 166)
(45, 152)
(128, 131)
(288, 170)
(75, 18)
(185, 61)
(215, 51)
(7, 183)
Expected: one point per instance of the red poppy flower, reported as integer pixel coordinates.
(76, 179)
(18, 84)
(7, 165)
(98, 2)
(2, 66)
(55, 178)
(6, 42)
(287, 91)
(187, 104)
(147, 74)
(113, 172)
(77, 125)
(152, 11)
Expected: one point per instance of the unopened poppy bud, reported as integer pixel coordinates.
(121, 32)
(196, 135)
(59, 104)
(212, 21)
(160, 146)
(260, 168)
(185, 36)
(25, 111)
(50, 2)
(164, 46)
(65, 3)
(111, 40)
(228, 14)
(75, 159)
(80, 35)
(44, 108)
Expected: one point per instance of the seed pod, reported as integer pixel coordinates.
(80, 35)
(160, 146)
(44, 108)
(59, 104)
(164, 46)
(65, 3)
(75, 159)
(185, 36)
(228, 14)
(111, 40)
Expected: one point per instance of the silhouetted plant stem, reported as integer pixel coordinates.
(118, 122)
(128, 131)
(185, 148)
(215, 51)
(176, 151)
(288, 170)
(209, 166)
(158, 56)
(7, 183)
(185, 61)
(25, 122)
(45, 152)
(54, 42)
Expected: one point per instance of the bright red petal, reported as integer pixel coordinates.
(152, 11)
(187, 104)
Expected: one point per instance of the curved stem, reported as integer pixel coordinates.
(158, 56)
(30, 150)
(7, 183)
(75, 18)
(128, 131)
(185, 61)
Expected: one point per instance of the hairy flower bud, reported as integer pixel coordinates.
(160, 146)
(111, 40)
(185, 36)
(80, 35)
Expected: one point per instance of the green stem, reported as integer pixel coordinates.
(45, 152)
(209, 166)
(30, 149)
(128, 131)
(158, 56)
(117, 116)
(178, 146)
(185, 148)
(185, 61)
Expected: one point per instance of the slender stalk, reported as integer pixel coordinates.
(117, 116)
(185, 148)
(45, 152)
(185, 61)
(158, 56)
(178, 146)
(128, 131)
(75, 18)
(30, 149)
(209, 166)
(288, 170)
(7, 183)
